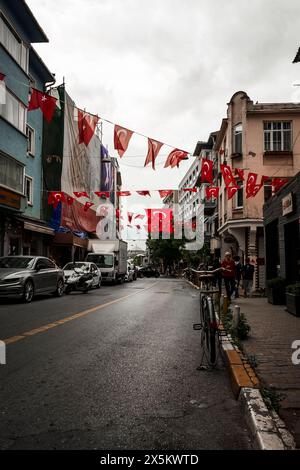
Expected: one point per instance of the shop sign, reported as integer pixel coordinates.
(10, 199)
(287, 204)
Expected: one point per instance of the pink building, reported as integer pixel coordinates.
(263, 138)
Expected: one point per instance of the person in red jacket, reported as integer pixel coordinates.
(229, 274)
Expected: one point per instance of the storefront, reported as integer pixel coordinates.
(10, 227)
(282, 233)
(68, 247)
(20, 235)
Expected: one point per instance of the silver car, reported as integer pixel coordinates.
(26, 276)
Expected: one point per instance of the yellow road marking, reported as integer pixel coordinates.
(35, 331)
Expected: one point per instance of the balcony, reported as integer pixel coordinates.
(275, 157)
(209, 207)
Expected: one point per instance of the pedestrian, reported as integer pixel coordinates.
(229, 275)
(238, 274)
(247, 273)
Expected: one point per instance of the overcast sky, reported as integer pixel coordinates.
(167, 68)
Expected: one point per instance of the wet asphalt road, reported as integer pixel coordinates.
(121, 376)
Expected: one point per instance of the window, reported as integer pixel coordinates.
(44, 263)
(28, 190)
(11, 42)
(14, 111)
(238, 140)
(277, 136)
(267, 191)
(30, 140)
(239, 201)
(11, 173)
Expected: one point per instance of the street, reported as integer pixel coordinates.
(121, 374)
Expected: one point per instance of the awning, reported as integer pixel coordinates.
(38, 228)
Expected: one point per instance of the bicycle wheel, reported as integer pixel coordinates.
(209, 329)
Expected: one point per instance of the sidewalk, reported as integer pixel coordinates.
(273, 331)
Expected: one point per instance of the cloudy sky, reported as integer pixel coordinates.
(167, 68)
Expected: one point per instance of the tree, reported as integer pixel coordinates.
(168, 251)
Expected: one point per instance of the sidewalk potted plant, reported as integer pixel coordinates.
(293, 299)
(276, 291)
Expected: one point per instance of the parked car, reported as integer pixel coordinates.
(86, 268)
(26, 276)
(148, 271)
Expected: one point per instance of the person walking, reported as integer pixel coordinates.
(247, 273)
(238, 275)
(229, 275)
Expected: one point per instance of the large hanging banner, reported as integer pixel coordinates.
(81, 167)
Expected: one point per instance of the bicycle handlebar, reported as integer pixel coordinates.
(205, 273)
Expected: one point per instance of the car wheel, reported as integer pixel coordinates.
(28, 292)
(60, 288)
(68, 290)
(98, 285)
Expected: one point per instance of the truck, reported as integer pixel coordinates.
(111, 258)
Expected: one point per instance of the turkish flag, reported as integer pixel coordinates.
(144, 193)
(81, 194)
(139, 216)
(45, 102)
(212, 191)
(240, 173)
(123, 193)
(102, 193)
(277, 183)
(55, 197)
(153, 148)
(86, 126)
(227, 175)
(190, 190)
(87, 205)
(122, 137)
(252, 188)
(207, 171)
(160, 220)
(231, 190)
(129, 216)
(175, 157)
(165, 192)
(250, 185)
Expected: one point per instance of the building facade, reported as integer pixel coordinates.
(193, 206)
(260, 138)
(282, 233)
(22, 230)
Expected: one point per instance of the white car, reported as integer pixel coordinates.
(87, 268)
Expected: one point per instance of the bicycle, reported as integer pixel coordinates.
(209, 322)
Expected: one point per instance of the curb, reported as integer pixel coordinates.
(267, 430)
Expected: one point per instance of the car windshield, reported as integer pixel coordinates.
(83, 266)
(16, 262)
(102, 261)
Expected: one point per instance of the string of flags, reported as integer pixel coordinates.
(211, 192)
(87, 122)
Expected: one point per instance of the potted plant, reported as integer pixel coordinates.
(276, 291)
(293, 299)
